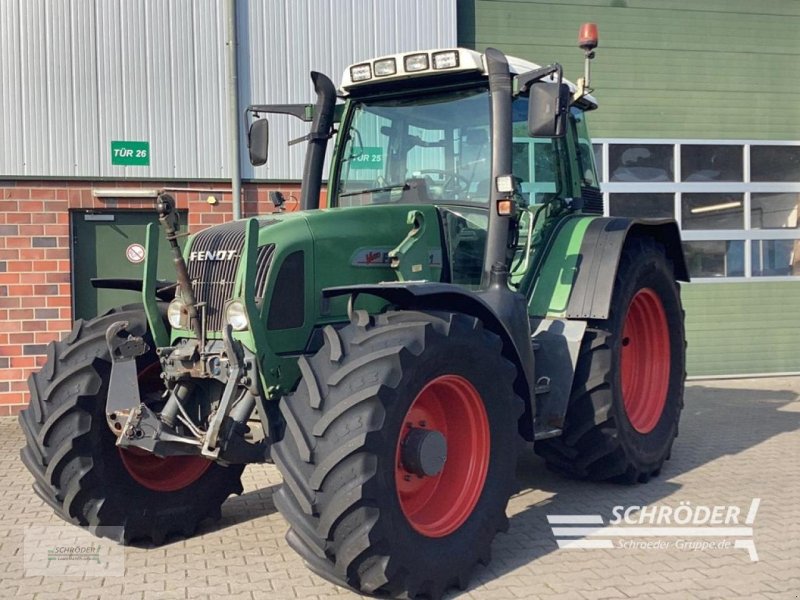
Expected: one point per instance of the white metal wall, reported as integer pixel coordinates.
(77, 74)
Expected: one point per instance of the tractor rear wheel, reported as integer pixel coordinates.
(78, 470)
(627, 394)
(400, 452)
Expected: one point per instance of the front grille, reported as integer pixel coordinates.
(262, 268)
(213, 280)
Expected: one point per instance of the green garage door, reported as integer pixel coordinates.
(110, 243)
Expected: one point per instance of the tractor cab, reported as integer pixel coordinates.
(427, 134)
(417, 129)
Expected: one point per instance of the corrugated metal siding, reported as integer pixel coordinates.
(84, 125)
(713, 69)
(77, 74)
(742, 328)
(11, 141)
(306, 35)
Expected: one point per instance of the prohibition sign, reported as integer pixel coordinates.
(135, 253)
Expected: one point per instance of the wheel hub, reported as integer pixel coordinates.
(424, 452)
(442, 456)
(645, 360)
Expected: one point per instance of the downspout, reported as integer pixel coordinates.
(231, 48)
(500, 98)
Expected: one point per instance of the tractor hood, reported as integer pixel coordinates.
(300, 254)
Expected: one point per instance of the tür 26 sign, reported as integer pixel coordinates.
(130, 154)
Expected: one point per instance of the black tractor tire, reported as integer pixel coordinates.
(71, 453)
(600, 440)
(340, 457)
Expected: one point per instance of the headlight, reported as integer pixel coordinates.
(415, 62)
(445, 60)
(385, 67)
(177, 315)
(236, 315)
(361, 72)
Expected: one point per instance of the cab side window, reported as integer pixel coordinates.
(536, 162)
(586, 166)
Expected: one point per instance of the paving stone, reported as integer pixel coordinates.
(736, 441)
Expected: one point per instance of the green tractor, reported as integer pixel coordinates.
(461, 294)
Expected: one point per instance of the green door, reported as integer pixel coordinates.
(110, 244)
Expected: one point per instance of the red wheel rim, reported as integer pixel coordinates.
(645, 361)
(435, 506)
(161, 474)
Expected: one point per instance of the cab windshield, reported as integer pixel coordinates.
(433, 148)
(436, 148)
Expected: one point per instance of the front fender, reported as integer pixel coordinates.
(453, 298)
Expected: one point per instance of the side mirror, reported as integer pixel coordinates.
(546, 106)
(258, 142)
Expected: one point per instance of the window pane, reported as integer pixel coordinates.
(655, 206)
(640, 162)
(719, 258)
(429, 154)
(711, 163)
(774, 211)
(775, 257)
(598, 159)
(712, 211)
(586, 162)
(775, 163)
(440, 139)
(545, 162)
(521, 160)
(586, 165)
(546, 167)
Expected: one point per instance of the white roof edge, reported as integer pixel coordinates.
(469, 61)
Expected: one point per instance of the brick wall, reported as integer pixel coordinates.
(35, 290)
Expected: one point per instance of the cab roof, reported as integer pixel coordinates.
(426, 63)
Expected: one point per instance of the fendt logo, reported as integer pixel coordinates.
(208, 255)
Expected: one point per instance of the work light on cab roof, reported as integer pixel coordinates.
(411, 64)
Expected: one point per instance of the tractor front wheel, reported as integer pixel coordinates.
(400, 452)
(77, 468)
(627, 394)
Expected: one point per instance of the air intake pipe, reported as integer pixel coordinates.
(321, 128)
(499, 224)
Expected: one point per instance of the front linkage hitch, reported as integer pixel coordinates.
(226, 363)
(138, 425)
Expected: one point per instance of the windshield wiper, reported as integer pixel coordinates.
(385, 188)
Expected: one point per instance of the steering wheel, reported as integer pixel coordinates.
(451, 182)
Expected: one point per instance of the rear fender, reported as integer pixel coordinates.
(599, 258)
(585, 254)
(577, 281)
